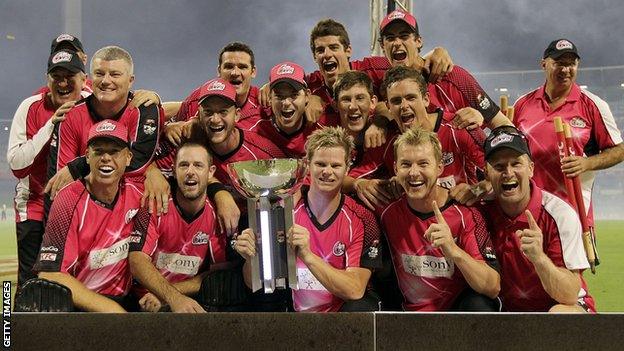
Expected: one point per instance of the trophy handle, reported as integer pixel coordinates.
(291, 255)
(256, 280)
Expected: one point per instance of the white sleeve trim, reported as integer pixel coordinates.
(607, 117)
(22, 151)
(570, 232)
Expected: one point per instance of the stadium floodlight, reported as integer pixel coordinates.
(584, 87)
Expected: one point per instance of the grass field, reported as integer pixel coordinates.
(607, 286)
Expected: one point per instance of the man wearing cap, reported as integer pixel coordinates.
(287, 126)
(441, 251)
(112, 71)
(596, 139)
(172, 255)
(536, 235)
(456, 92)
(85, 245)
(29, 145)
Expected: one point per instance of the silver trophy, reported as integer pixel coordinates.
(268, 186)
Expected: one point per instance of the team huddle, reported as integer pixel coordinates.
(421, 195)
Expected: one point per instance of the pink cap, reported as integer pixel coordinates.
(217, 87)
(398, 15)
(109, 129)
(288, 72)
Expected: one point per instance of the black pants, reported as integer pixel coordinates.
(471, 301)
(29, 237)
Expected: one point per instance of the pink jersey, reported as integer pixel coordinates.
(252, 146)
(593, 130)
(178, 245)
(350, 238)
(293, 145)
(462, 156)
(428, 281)
(374, 163)
(89, 240)
(250, 112)
(69, 139)
(521, 288)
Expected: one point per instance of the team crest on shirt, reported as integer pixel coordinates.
(135, 237)
(447, 158)
(373, 250)
(130, 214)
(484, 102)
(200, 238)
(339, 248)
(149, 127)
(578, 122)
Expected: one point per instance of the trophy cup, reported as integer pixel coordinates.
(268, 186)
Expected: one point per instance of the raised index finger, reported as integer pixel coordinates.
(531, 220)
(438, 214)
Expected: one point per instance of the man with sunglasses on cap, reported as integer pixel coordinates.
(29, 145)
(457, 92)
(596, 139)
(85, 245)
(536, 235)
(287, 126)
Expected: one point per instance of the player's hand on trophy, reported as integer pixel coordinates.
(468, 118)
(59, 114)
(150, 303)
(58, 181)
(314, 109)
(439, 233)
(531, 239)
(145, 97)
(438, 63)
(245, 244)
(299, 238)
(184, 304)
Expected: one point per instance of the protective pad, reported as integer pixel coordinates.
(41, 295)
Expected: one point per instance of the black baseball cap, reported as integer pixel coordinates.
(558, 47)
(506, 137)
(66, 59)
(66, 38)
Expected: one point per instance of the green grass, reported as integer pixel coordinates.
(607, 286)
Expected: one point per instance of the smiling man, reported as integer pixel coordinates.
(85, 245)
(536, 235)
(597, 141)
(29, 147)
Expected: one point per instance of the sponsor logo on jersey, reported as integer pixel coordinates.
(110, 255)
(564, 44)
(285, 69)
(427, 266)
(484, 102)
(373, 250)
(447, 158)
(130, 214)
(503, 138)
(447, 182)
(49, 248)
(489, 254)
(61, 56)
(105, 127)
(339, 248)
(578, 122)
(63, 37)
(177, 263)
(200, 238)
(47, 256)
(149, 127)
(216, 86)
(307, 280)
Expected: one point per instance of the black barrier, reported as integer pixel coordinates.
(335, 331)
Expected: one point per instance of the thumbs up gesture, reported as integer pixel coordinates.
(439, 233)
(531, 239)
